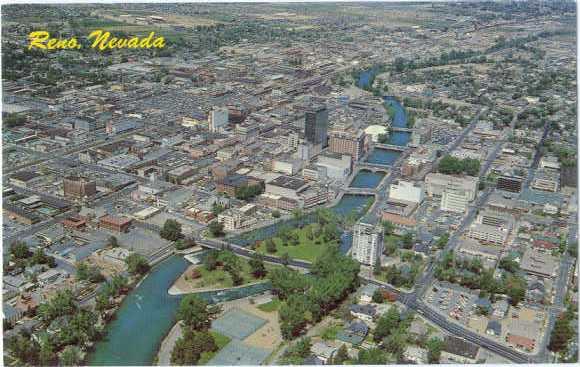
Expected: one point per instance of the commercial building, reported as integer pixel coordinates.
(510, 183)
(408, 191)
(229, 184)
(116, 224)
(218, 119)
(546, 180)
(437, 183)
(487, 234)
(77, 187)
(316, 125)
(348, 140)
(539, 263)
(367, 243)
(335, 166)
(455, 201)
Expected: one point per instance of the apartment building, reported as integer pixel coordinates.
(367, 244)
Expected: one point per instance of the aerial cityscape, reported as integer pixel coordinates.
(290, 183)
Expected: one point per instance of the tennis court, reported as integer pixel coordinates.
(237, 353)
(237, 324)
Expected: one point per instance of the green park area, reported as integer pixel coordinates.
(306, 243)
(271, 306)
(226, 270)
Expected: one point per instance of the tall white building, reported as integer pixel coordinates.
(218, 119)
(367, 243)
(408, 191)
(455, 201)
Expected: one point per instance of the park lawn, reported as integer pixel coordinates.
(220, 340)
(271, 306)
(219, 278)
(330, 332)
(305, 250)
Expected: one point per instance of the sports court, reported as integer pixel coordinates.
(237, 353)
(237, 324)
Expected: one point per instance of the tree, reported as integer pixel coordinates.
(137, 264)
(196, 313)
(14, 119)
(24, 349)
(378, 296)
(216, 228)
(562, 332)
(270, 246)
(509, 264)
(275, 214)
(171, 230)
(90, 273)
(341, 355)
(19, 250)
(395, 343)
(388, 227)
(515, 288)
(211, 260)
(113, 242)
(372, 356)
(189, 348)
(61, 304)
(47, 355)
(434, 347)
(285, 258)
(257, 266)
(387, 323)
(71, 356)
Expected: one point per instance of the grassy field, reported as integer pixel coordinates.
(220, 340)
(330, 332)
(271, 306)
(307, 249)
(220, 278)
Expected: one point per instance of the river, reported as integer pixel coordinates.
(147, 315)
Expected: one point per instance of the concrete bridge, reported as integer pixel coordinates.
(375, 167)
(360, 191)
(402, 129)
(389, 147)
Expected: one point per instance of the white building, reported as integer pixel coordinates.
(437, 183)
(455, 201)
(218, 119)
(367, 243)
(336, 166)
(408, 191)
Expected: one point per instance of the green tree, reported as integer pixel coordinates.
(19, 250)
(275, 214)
(395, 343)
(372, 356)
(196, 313)
(434, 347)
(378, 296)
(137, 264)
(387, 323)
(257, 266)
(61, 304)
(71, 356)
(341, 355)
(216, 229)
(388, 227)
(210, 260)
(24, 349)
(270, 246)
(562, 333)
(171, 230)
(47, 355)
(516, 289)
(189, 348)
(113, 242)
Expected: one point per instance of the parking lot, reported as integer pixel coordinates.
(453, 301)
